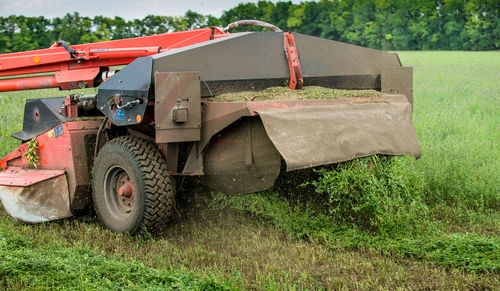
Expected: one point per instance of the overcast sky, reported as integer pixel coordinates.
(128, 9)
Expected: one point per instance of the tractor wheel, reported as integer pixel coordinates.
(131, 189)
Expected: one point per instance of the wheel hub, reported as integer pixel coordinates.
(119, 191)
(127, 190)
(124, 192)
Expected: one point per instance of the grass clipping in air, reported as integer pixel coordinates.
(285, 93)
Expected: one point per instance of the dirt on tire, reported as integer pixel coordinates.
(153, 205)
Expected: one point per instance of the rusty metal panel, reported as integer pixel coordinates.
(177, 107)
(335, 64)
(44, 200)
(64, 147)
(241, 61)
(256, 60)
(82, 138)
(321, 135)
(398, 80)
(322, 57)
(241, 159)
(170, 152)
(194, 163)
(217, 116)
(15, 176)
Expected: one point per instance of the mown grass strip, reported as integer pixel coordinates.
(469, 252)
(23, 264)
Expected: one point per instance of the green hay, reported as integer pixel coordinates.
(285, 93)
(85, 118)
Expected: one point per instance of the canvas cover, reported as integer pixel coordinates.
(321, 135)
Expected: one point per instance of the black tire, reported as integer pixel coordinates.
(132, 191)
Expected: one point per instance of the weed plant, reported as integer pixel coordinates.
(380, 194)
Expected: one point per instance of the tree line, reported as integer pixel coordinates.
(379, 24)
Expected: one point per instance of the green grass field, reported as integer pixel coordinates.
(433, 223)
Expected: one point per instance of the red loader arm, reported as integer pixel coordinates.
(87, 65)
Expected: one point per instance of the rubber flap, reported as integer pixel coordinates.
(321, 135)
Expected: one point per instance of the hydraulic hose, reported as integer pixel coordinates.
(65, 45)
(251, 22)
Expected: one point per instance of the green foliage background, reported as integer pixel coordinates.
(379, 24)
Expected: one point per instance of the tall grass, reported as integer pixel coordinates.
(457, 105)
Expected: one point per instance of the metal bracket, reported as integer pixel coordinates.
(70, 107)
(292, 56)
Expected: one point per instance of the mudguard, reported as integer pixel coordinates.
(34, 196)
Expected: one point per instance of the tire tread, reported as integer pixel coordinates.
(158, 189)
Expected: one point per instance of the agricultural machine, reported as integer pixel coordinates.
(155, 119)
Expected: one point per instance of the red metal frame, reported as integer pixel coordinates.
(71, 107)
(20, 177)
(80, 70)
(62, 147)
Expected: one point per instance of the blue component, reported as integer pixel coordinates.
(58, 131)
(119, 114)
(101, 50)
